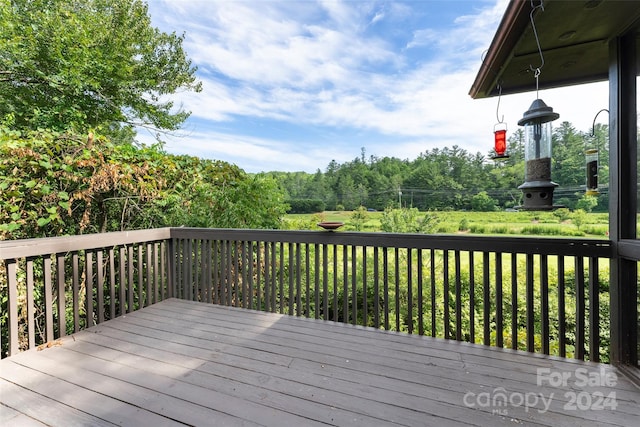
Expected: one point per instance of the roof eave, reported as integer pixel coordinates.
(512, 26)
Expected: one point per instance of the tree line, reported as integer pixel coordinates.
(450, 178)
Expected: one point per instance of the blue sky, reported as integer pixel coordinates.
(290, 85)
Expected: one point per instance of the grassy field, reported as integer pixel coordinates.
(594, 225)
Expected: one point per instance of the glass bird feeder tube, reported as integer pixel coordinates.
(538, 187)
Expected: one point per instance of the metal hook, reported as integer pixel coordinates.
(535, 33)
(500, 120)
(593, 127)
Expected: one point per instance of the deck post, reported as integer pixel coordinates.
(623, 196)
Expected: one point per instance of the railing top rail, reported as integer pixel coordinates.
(13, 249)
(525, 245)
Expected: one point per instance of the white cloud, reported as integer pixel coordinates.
(325, 64)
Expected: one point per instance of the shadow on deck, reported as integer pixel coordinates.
(179, 362)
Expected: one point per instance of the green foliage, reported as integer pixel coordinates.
(305, 205)
(358, 218)
(579, 217)
(408, 220)
(82, 64)
(482, 202)
(587, 203)
(56, 184)
(550, 230)
(563, 214)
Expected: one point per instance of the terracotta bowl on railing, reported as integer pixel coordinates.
(330, 225)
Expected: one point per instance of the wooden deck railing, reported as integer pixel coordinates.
(540, 295)
(55, 286)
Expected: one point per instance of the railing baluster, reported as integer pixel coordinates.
(299, 308)
(215, 281)
(514, 301)
(31, 325)
(123, 281)
(432, 264)
(420, 295)
(148, 268)
(345, 284)
(499, 319)
(274, 277)
(112, 283)
(530, 313)
(239, 295)
(12, 305)
(281, 296)
(307, 264)
(100, 286)
(561, 309)
(267, 278)
(62, 322)
(141, 285)
(376, 288)
(544, 305)
(75, 283)
(316, 286)
(580, 307)
(244, 279)
(486, 299)
(292, 279)
(354, 286)
(166, 275)
(130, 282)
(224, 273)
(48, 297)
(335, 283)
(594, 311)
(194, 277)
(385, 285)
(445, 293)
(176, 259)
(409, 276)
(156, 272)
(458, 285)
(88, 288)
(258, 275)
(325, 282)
(365, 307)
(396, 269)
(187, 283)
(251, 272)
(472, 298)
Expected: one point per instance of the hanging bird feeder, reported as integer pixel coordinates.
(591, 157)
(538, 187)
(500, 133)
(500, 141)
(592, 161)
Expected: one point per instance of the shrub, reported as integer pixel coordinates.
(482, 202)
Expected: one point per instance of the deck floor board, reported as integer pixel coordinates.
(185, 363)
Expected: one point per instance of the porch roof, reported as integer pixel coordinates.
(574, 38)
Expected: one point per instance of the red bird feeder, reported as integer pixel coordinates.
(500, 145)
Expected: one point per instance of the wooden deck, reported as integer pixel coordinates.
(186, 363)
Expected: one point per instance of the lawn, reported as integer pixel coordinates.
(594, 225)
